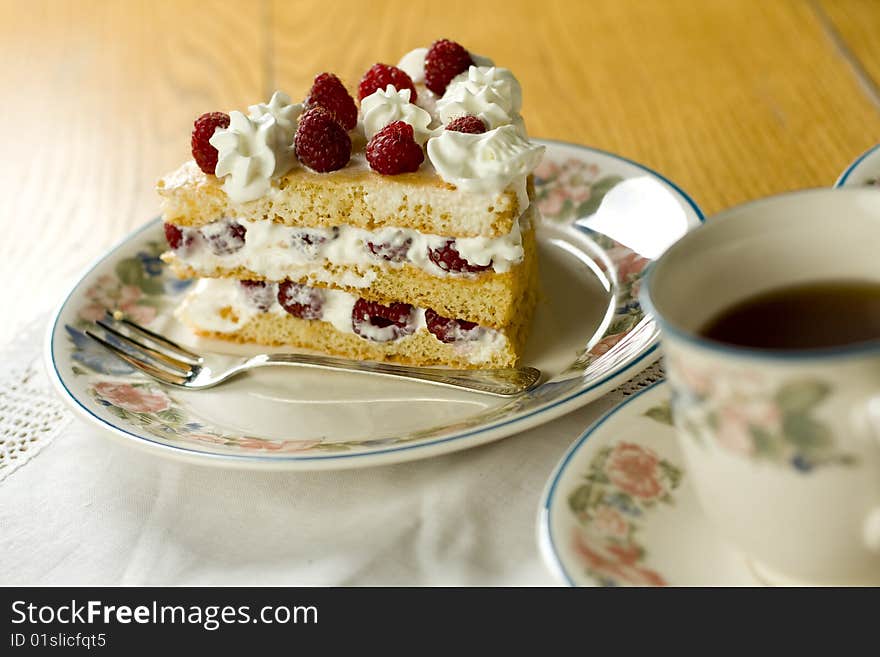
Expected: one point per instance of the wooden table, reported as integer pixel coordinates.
(732, 99)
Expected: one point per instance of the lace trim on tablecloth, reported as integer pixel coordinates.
(31, 415)
(639, 382)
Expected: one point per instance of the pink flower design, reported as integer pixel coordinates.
(634, 470)
(569, 182)
(736, 422)
(92, 312)
(277, 445)
(552, 204)
(580, 194)
(547, 169)
(628, 263)
(129, 398)
(609, 522)
(605, 344)
(576, 172)
(109, 294)
(207, 438)
(636, 289)
(698, 381)
(139, 314)
(615, 562)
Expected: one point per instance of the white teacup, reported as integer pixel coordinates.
(783, 447)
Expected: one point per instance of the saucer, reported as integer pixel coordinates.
(619, 510)
(590, 334)
(865, 170)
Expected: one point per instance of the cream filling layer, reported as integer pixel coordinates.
(221, 305)
(276, 251)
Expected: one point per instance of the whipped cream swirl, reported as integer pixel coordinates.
(280, 108)
(256, 148)
(383, 107)
(487, 162)
(492, 94)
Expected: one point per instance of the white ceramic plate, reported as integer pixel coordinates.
(619, 509)
(865, 170)
(589, 336)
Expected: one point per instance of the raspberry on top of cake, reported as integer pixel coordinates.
(443, 121)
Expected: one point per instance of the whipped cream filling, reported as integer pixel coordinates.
(222, 305)
(277, 251)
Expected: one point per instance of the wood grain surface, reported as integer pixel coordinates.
(732, 99)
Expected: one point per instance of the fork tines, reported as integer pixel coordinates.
(165, 360)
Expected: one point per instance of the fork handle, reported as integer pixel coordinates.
(503, 382)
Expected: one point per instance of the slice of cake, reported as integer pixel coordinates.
(400, 231)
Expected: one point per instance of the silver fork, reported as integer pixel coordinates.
(174, 365)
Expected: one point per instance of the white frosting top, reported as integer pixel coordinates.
(493, 94)
(280, 108)
(256, 148)
(383, 107)
(485, 162)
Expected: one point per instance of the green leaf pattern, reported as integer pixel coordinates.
(780, 425)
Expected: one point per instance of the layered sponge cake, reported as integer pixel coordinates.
(398, 231)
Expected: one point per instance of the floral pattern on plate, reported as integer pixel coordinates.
(621, 510)
(623, 484)
(571, 189)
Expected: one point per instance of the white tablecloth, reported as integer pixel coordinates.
(85, 510)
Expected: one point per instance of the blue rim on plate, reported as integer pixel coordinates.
(549, 410)
(844, 177)
(546, 542)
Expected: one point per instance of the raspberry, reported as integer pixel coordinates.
(301, 300)
(393, 251)
(329, 92)
(468, 123)
(380, 76)
(450, 330)
(379, 323)
(259, 293)
(448, 259)
(309, 241)
(321, 143)
(174, 236)
(445, 60)
(394, 150)
(203, 153)
(224, 237)
(179, 238)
